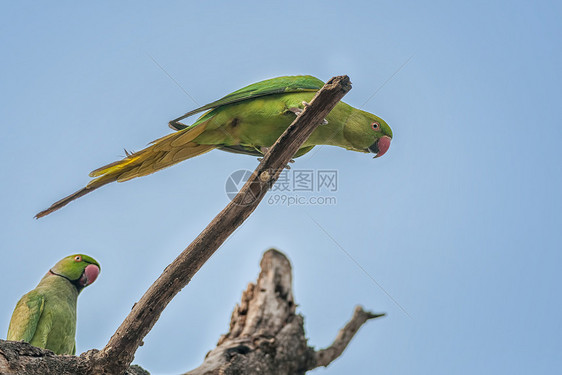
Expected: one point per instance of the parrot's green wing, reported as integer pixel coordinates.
(279, 85)
(26, 316)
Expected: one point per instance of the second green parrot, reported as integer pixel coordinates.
(247, 121)
(46, 316)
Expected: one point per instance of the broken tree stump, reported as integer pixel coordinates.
(266, 334)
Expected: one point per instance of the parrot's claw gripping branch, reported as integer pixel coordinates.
(297, 111)
(264, 150)
(119, 351)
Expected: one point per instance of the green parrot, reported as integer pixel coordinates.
(46, 316)
(247, 121)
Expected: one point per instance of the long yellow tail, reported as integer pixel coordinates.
(162, 153)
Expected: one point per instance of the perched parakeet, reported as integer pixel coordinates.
(46, 316)
(248, 121)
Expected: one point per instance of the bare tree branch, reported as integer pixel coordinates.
(21, 358)
(325, 356)
(119, 351)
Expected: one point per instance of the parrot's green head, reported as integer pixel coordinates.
(81, 270)
(367, 133)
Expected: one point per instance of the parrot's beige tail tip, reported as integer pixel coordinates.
(63, 202)
(43, 213)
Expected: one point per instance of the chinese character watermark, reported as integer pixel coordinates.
(293, 187)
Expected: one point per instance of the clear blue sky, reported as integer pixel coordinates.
(460, 221)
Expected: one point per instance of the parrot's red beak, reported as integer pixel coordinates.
(381, 146)
(90, 275)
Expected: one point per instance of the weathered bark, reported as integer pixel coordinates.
(266, 335)
(20, 358)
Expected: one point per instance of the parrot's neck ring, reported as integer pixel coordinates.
(76, 282)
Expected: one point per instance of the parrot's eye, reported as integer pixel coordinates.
(78, 258)
(376, 126)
